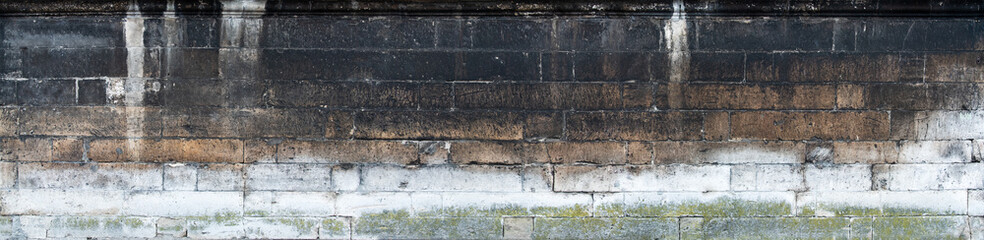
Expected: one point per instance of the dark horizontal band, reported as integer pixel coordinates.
(888, 8)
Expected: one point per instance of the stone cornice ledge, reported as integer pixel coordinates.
(881, 8)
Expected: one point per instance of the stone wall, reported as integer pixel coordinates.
(491, 119)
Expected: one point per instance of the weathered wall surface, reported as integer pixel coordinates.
(224, 120)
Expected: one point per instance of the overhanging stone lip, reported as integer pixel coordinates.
(819, 8)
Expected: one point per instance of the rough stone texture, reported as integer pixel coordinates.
(537, 119)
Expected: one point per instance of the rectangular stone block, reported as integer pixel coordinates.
(8, 121)
(389, 95)
(73, 62)
(767, 177)
(729, 152)
(184, 203)
(619, 66)
(954, 67)
(254, 122)
(8, 174)
(360, 32)
(600, 228)
(810, 125)
(733, 96)
(865, 152)
(88, 121)
(937, 125)
(195, 91)
(716, 67)
(221, 177)
(425, 179)
(703, 204)
(935, 152)
(101, 227)
(110, 176)
(588, 152)
(363, 203)
(264, 203)
(25, 149)
(498, 152)
(399, 226)
(472, 204)
(634, 126)
(824, 67)
(975, 203)
(288, 177)
(837, 177)
(47, 92)
(917, 35)
(181, 177)
(439, 125)
(642, 178)
(902, 177)
(912, 227)
(609, 34)
(78, 32)
(547, 96)
(792, 227)
(67, 149)
(166, 150)
(767, 35)
(282, 227)
(350, 151)
(61, 202)
(496, 65)
(261, 150)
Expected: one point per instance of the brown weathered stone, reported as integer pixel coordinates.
(587, 152)
(717, 126)
(850, 96)
(88, 121)
(439, 125)
(733, 96)
(498, 153)
(634, 125)
(261, 150)
(639, 153)
(347, 152)
(955, 67)
(67, 149)
(8, 122)
(26, 149)
(167, 150)
(770, 125)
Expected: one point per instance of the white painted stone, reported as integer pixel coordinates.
(102, 227)
(977, 228)
(356, 204)
(975, 202)
(109, 176)
(282, 228)
(34, 226)
(754, 152)
(263, 203)
(183, 203)
(945, 125)
(221, 177)
(60, 202)
(326, 231)
(902, 177)
(945, 202)
(675, 177)
(935, 152)
(210, 229)
(770, 177)
(743, 177)
(289, 177)
(537, 179)
(426, 202)
(171, 227)
(825, 203)
(180, 177)
(838, 177)
(8, 174)
(442, 178)
(524, 200)
(346, 178)
(670, 198)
